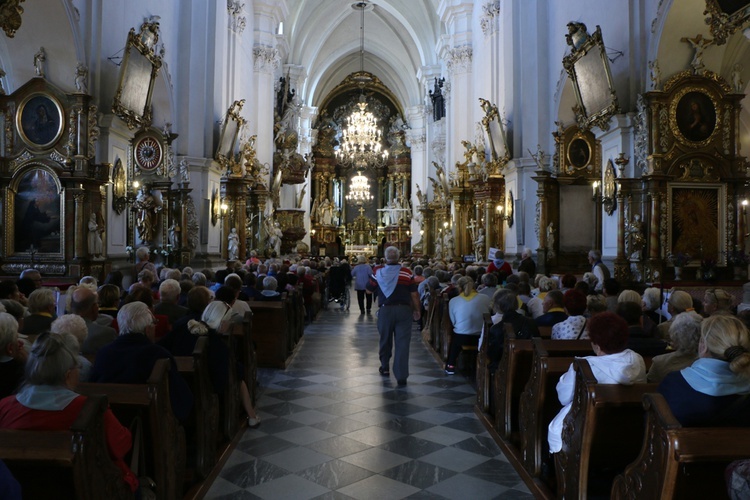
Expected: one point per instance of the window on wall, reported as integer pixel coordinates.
(280, 30)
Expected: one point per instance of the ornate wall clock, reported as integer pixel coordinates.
(148, 153)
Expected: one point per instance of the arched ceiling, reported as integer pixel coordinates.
(400, 38)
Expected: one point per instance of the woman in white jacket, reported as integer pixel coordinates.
(613, 364)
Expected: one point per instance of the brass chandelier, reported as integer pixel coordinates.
(361, 138)
(359, 190)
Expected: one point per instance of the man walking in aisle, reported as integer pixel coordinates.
(399, 305)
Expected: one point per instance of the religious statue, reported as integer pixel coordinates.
(233, 245)
(39, 59)
(274, 235)
(655, 74)
(439, 247)
(146, 208)
(737, 84)
(551, 239)
(324, 147)
(699, 44)
(448, 244)
(81, 81)
(95, 238)
(286, 128)
(479, 246)
(421, 197)
(326, 212)
(174, 236)
(184, 171)
(636, 237)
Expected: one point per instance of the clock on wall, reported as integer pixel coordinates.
(148, 153)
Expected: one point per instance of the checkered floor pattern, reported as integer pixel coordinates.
(334, 428)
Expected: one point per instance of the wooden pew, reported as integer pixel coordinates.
(680, 462)
(539, 402)
(509, 381)
(73, 463)
(270, 334)
(604, 429)
(163, 436)
(545, 332)
(483, 369)
(434, 317)
(230, 405)
(205, 414)
(446, 328)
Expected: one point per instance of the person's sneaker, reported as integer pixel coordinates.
(253, 422)
(384, 371)
(401, 383)
(450, 370)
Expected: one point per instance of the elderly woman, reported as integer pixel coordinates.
(47, 401)
(505, 302)
(362, 272)
(12, 355)
(143, 254)
(684, 334)
(713, 390)
(217, 319)
(613, 364)
(76, 327)
(42, 306)
(717, 302)
(466, 311)
(536, 304)
(651, 302)
(574, 327)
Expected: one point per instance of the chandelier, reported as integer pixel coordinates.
(359, 189)
(360, 141)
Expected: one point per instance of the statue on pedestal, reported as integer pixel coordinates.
(233, 244)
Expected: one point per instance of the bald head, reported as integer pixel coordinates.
(84, 303)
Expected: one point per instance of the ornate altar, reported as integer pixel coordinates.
(53, 204)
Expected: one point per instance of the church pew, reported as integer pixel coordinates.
(604, 429)
(72, 463)
(205, 413)
(434, 313)
(680, 462)
(539, 402)
(230, 406)
(446, 329)
(247, 356)
(271, 333)
(545, 332)
(483, 370)
(508, 383)
(163, 434)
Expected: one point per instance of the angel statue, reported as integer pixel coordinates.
(273, 230)
(479, 246)
(421, 197)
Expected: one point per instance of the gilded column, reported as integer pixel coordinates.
(653, 231)
(80, 249)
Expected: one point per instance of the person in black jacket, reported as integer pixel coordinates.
(506, 302)
(554, 309)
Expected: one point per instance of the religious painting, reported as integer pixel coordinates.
(138, 71)
(36, 213)
(695, 218)
(588, 68)
(40, 121)
(579, 153)
(695, 116)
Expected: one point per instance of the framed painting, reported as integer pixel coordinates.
(39, 121)
(140, 65)
(696, 221)
(725, 17)
(230, 130)
(579, 152)
(494, 130)
(588, 68)
(35, 211)
(693, 116)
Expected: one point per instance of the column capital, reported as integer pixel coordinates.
(266, 59)
(490, 17)
(458, 60)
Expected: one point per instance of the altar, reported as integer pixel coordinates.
(353, 251)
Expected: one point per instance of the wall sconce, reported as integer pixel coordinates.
(312, 234)
(505, 215)
(606, 192)
(224, 208)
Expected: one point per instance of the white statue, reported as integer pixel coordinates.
(174, 236)
(81, 81)
(737, 82)
(233, 245)
(448, 244)
(39, 59)
(184, 171)
(699, 44)
(551, 239)
(326, 212)
(95, 238)
(479, 246)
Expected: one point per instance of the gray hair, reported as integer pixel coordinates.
(174, 274)
(146, 275)
(391, 254)
(489, 279)
(526, 253)
(685, 331)
(233, 281)
(134, 318)
(270, 283)
(14, 308)
(199, 279)
(89, 280)
(142, 253)
(504, 301)
(595, 254)
(629, 296)
(651, 298)
(546, 284)
(8, 330)
(40, 300)
(169, 290)
(433, 282)
(50, 359)
(591, 279)
(71, 323)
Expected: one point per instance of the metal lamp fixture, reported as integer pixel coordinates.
(361, 138)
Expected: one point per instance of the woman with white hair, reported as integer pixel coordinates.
(42, 306)
(76, 327)
(12, 355)
(142, 255)
(536, 304)
(47, 400)
(215, 321)
(684, 334)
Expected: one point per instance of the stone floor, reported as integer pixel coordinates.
(334, 428)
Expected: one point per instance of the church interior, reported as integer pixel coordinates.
(215, 136)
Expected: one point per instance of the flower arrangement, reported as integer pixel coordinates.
(738, 258)
(679, 259)
(130, 252)
(708, 264)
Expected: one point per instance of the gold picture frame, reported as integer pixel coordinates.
(40, 121)
(725, 17)
(693, 116)
(588, 68)
(35, 211)
(119, 188)
(230, 131)
(140, 65)
(697, 221)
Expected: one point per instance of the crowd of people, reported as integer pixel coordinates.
(700, 349)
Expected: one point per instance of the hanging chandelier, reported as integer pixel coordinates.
(361, 138)
(359, 190)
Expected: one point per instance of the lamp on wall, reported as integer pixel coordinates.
(605, 192)
(361, 138)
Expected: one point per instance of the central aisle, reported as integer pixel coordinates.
(334, 428)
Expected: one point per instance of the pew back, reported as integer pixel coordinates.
(510, 378)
